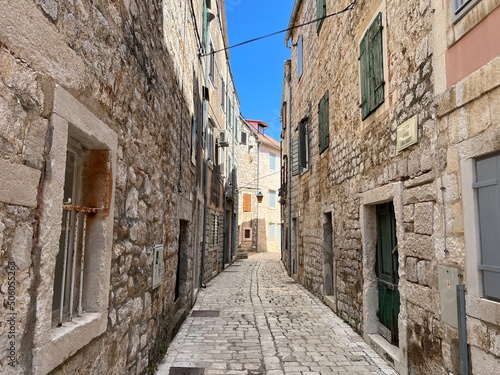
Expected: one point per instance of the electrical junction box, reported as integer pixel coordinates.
(449, 278)
(157, 265)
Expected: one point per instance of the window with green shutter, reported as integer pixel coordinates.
(371, 59)
(295, 156)
(303, 146)
(320, 13)
(323, 122)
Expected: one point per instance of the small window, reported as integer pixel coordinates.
(248, 234)
(371, 59)
(461, 7)
(272, 199)
(272, 232)
(244, 138)
(320, 13)
(323, 120)
(223, 94)
(303, 146)
(295, 156)
(299, 57)
(272, 162)
(488, 198)
(194, 131)
(247, 202)
(229, 116)
(211, 62)
(214, 238)
(84, 152)
(210, 140)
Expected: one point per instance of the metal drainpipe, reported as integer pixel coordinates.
(224, 247)
(205, 203)
(205, 170)
(234, 225)
(289, 175)
(258, 172)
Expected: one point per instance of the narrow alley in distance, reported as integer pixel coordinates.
(254, 319)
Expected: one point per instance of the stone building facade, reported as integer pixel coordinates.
(258, 158)
(389, 114)
(109, 123)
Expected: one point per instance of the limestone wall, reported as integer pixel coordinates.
(135, 67)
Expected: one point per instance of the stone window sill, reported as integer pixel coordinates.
(67, 340)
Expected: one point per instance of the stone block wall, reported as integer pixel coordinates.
(135, 67)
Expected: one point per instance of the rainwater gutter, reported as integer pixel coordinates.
(289, 174)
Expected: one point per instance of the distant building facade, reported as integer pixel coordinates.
(390, 156)
(259, 172)
(110, 129)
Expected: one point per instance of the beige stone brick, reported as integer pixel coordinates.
(479, 114)
(424, 215)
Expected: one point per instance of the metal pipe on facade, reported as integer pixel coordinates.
(82, 263)
(257, 210)
(73, 267)
(462, 331)
(65, 260)
(289, 174)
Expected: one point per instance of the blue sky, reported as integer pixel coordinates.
(258, 67)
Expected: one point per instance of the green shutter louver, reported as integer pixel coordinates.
(205, 27)
(371, 60)
(303, 144)
(377, 58)
(320, 13)
(295, 156)
(364, 77)
(323, 122)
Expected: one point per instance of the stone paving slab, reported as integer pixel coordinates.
(267, 325)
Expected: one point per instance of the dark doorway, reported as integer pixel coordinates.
(182, 259)
(328, 256)
(387, 273)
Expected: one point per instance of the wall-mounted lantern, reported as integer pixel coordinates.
(259, 197)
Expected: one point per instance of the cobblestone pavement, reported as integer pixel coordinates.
(268, 324)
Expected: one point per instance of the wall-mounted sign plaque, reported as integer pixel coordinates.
(407, 134)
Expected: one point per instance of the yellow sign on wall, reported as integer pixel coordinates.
(407, 134)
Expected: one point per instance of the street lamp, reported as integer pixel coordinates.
(259, 197)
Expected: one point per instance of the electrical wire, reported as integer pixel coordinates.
(346, 9)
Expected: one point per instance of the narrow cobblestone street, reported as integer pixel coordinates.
(268, 324)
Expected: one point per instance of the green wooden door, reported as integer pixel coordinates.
(387, 272)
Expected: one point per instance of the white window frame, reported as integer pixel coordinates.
(272, 165)
(54, 345)
(246, 138)
(223, 95)
(300, 57)
(210, 141)
(211, 63)
(272, 202)
(477, 306)
(272, 234)
(459, 8)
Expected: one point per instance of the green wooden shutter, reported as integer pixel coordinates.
(205, 27)
(295, 156)
(364, 66)
(371, 60)
(377, 59)
(302, 146)
(320, 13)
(323, 119)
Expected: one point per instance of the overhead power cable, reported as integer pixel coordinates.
(346, 9)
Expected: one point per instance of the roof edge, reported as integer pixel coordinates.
(293, 18)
